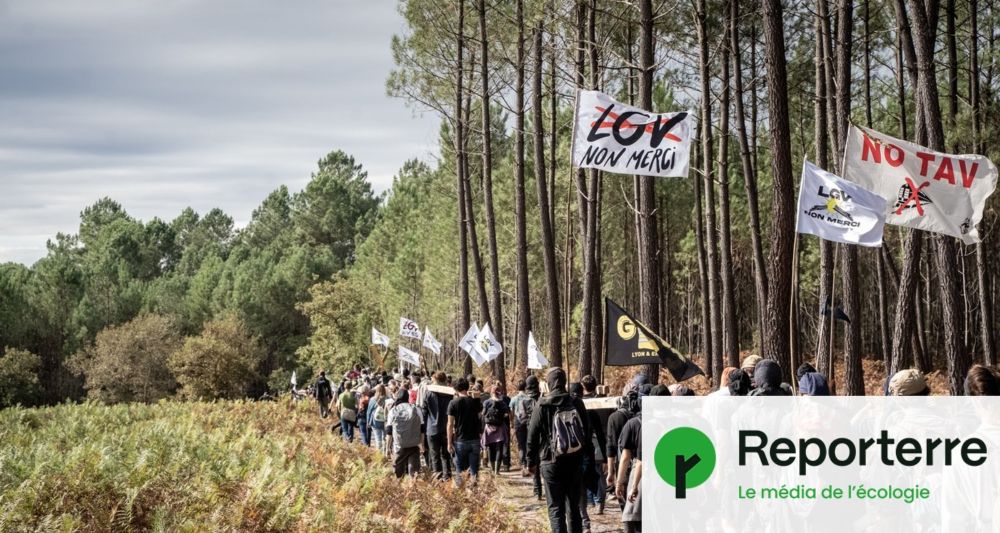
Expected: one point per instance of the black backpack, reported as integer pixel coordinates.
(567, 430)
(495, 415)
(524, 409)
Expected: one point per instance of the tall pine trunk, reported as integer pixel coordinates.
(982, 272)
(649, 288)
(470, 212)
(776, 345)
(548, 239)
(853, 370)
(496, 311)
(923, 25)
(591, 291)
(749, 175)
(463, 247)
(823, 360)
(711, 228)
(731, 347)
(521, 244)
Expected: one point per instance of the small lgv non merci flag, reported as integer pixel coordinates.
(614, 137)
(838, 210)
(408, 328)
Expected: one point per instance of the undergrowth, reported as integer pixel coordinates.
(227, 466)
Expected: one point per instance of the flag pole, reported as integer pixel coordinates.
(833, 324)
(794, 314)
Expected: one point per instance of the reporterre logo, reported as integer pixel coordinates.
(684, 458)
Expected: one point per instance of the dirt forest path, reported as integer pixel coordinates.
(516, 491)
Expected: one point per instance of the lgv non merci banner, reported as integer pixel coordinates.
(773, 464)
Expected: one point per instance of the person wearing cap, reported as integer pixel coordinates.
(909, 382)
(750, 362)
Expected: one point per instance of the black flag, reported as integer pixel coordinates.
(838, 312)
(628, 342)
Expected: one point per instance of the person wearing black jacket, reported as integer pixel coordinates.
(324, 394)
(436, 417)
(596, 489)
(562, 474)
(524, 408)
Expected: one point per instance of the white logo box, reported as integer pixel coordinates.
(961, 497)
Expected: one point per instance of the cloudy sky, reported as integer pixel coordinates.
(173, 103)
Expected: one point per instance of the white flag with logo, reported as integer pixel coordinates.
(614, 137)
(430, 342)
(409, 356)
(380, 338)
(535, 358)
(838, 210)
(487, 345)
(408, 328)
(926, 190)
(468, 342)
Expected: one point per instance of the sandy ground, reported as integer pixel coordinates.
(531, 512)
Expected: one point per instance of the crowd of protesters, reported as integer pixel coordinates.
(576, 457)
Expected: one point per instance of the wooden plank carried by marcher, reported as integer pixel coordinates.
(590, 403)
(609, 402)
(442, 389)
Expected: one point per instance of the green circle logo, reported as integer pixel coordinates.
(684, 458)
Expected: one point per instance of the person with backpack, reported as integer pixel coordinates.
(464, 428)
(377, 415)
(435, 410)
(348, 405)
(324, 393)
(515, 403)
(558, 440)
(496, 416)
(404, 430)
(522, 409)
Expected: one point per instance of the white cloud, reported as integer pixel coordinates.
(162, 105)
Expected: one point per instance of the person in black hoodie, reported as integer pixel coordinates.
(436, 417)
(767, 377)
(523, 408)
(324, 394)
(560, 463)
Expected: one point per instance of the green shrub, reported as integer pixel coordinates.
(19, 377)
(222, 362)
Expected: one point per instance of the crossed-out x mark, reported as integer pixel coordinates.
(914, 197)
(628, 125)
